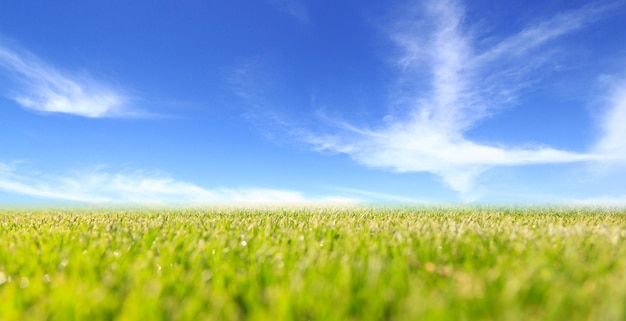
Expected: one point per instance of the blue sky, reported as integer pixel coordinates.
(293, 101)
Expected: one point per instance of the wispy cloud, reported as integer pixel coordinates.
(36, 85)
(612, 143)
(534, 36)
(466, 86)
(373, 196)
(294, 8)
(601, 201)
(138, 187)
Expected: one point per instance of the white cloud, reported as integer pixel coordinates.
(536, 35)
(601, 201)
(377, 196)
(466, 86)
(612, 144)
(39, 86)
(137, 187)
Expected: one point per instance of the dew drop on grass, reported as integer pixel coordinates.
(244, 243)
(46, 278)
(3, 278)
(63, 264)
(206, 275)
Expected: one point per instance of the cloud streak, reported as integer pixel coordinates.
(294, 8)
(612, 143)
(534, 36)
(466, 85)
(36, 85)
(139, 188)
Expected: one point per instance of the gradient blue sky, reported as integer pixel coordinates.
(200, 102)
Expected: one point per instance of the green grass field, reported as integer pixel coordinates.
(314, 264)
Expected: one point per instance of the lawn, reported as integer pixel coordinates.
(327, 263)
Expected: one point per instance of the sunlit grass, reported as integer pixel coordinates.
(313, 263)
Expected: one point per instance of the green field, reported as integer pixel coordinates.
(447, 263)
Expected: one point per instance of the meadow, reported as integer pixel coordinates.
(327, 263)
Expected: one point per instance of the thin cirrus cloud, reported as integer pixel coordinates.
(294, 8)
(36, 85)
(467, 85)
(599, 201)
(139, 188)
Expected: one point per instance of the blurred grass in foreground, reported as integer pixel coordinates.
(313, 264)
